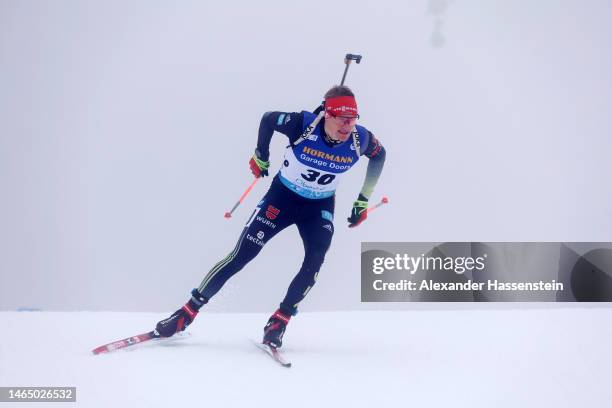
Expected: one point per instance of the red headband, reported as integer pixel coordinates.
(341, 106)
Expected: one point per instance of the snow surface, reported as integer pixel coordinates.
(557, 357)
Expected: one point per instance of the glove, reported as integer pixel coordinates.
(359, 212)
(183, 317)
(259, 167)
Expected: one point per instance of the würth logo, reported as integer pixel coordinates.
(272, 212)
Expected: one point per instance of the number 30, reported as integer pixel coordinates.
(313, 175)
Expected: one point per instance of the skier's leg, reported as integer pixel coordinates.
(268, 218)
(316, 230)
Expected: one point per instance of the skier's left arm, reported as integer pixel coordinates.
(376, 154)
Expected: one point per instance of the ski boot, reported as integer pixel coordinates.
(183, 317)
(275, 328)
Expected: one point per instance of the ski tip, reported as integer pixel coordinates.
(102, 349)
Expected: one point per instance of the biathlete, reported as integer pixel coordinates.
(301, 193)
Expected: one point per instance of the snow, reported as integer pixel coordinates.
(472, 357)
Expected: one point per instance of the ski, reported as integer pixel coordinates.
(272, 352)
(130, 341)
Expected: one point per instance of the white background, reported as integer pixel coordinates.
(126, 129)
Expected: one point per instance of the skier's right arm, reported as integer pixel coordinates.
(288, 123)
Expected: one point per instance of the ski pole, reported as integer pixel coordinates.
(246, 192)
(383, 201)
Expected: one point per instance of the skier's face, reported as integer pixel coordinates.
(339, 127)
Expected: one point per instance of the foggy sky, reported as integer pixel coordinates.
(126, 130)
